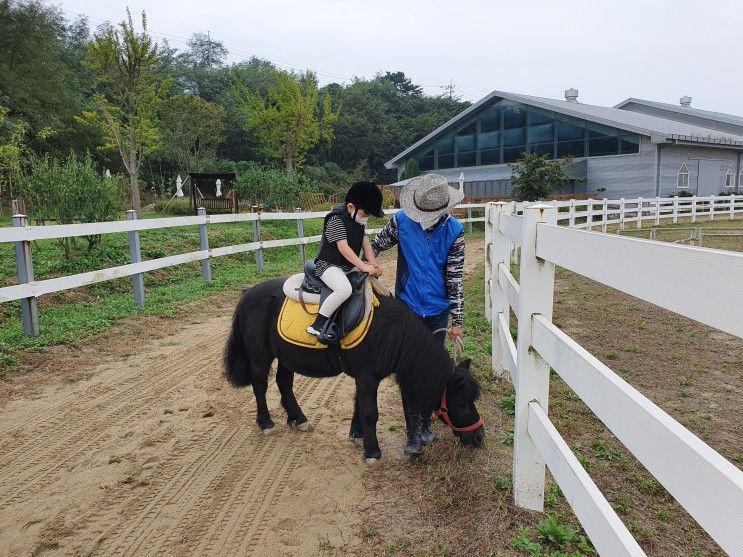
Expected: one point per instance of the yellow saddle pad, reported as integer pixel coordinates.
(293, 322)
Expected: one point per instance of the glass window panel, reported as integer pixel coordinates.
(571, 148)
(511, 154)
(445, 146)
(514, 116)
(514, 137)
(466, 158)
(425, 161)
(490, 120)
(465, 142)
(599, 130)
(467, 130)
(629, 143)
(570, 129)
(539, 116)
(490, 156)
(682, 181)
(446, 161)
(603, 146)
(489, 140)
(542, 148)
(541, 133)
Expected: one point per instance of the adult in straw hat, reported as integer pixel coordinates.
(430, 264)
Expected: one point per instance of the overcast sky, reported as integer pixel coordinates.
(652, 49)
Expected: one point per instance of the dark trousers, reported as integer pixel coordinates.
(437, 322)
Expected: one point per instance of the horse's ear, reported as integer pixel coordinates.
(465, 364)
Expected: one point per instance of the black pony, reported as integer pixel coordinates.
(397, 342)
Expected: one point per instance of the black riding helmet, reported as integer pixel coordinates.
(366, 196)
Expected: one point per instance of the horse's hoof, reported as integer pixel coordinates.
(371, 460)
(413, 449)
(304, 426)
(356, 440)
(269, 431)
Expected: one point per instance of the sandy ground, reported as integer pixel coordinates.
(154, 454)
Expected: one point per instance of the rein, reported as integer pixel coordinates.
(443, 414)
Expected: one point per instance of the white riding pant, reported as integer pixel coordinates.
(336, 280)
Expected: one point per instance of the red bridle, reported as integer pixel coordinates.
(443, 413)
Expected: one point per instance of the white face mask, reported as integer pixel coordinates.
(426, 224)
(361, 221)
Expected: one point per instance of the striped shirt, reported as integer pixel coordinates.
(453, 274)
(334, 231)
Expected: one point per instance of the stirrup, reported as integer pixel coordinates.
(329, 334)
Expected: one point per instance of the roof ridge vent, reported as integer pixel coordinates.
(686, 101)
(571, 95)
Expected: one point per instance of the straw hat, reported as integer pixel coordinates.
(426, 198)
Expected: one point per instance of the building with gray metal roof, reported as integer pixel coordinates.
(637, 148)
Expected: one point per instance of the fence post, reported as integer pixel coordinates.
(699, 236)
(499, 252)
(711, 207)
(589, 214)
(604, 215)
(206, 264)
(257, 238)
(25, 271)
(571, 214)
(693, 208)
(489, 240)
(621, 213)
(536, 280)
(732, 205)
(135, 254)
(639, 212)
(657, 211)
(469, 220)
(300, 235)
(675, 209)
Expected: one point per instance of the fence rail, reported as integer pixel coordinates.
(28, 289)
(709, 487)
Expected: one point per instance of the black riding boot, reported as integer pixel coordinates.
(427, 434)
(415, 445)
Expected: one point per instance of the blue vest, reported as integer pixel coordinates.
(421, 264)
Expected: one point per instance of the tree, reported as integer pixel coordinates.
(192, 128)
(411, 169)
(289, 122)
(129, 92)
(403, 84)
(71, 191)
(205, 53)
(12, 144)
(536, 177)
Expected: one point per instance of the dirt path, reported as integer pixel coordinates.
(154, 454)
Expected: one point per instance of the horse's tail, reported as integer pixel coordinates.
(236, 361)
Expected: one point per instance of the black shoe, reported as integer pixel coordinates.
(426, 433)
(328, 335)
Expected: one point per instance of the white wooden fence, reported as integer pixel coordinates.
(707, 288)
(28, 289)
(599, 213)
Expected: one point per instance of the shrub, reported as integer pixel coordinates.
(178, 206)
(536, 177)
(684, 193)
(270, 187)
(411, 169)
(72, 191)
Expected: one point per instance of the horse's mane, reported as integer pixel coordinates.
(404, 346)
